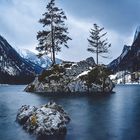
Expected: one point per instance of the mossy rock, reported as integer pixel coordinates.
(58, 69)
(44, 74)
(31, 88)
(96, 76)
(55, 77)
(68, 65)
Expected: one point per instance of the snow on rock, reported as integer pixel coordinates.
(49, 119)
(83, 73)
(137, 33)
(71, 77)
(10, 70)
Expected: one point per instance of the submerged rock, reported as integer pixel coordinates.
(49, 119)
(69, 77)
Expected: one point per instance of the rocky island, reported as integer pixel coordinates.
(72, 77)
(49, 119)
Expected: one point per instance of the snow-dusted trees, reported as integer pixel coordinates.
(98, 44)
(55, 34)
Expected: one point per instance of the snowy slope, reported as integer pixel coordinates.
(13, 68)
(43, 62)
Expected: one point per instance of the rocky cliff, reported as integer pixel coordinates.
(130, 57)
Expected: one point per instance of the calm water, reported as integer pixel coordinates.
(108, 117)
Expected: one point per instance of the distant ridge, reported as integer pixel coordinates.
(130, 56)
(44, 61)
(13, 68)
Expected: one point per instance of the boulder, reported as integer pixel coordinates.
(47, 120)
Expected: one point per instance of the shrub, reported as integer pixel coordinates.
(55, 77)
(97, 76)
(67, 65)
(57, 69)
(44, 74)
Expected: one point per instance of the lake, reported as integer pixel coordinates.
(109, 117)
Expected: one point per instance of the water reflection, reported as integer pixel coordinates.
(51, 138)
(108, 117)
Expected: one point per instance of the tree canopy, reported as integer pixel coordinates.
(98, 44)
(55, 33)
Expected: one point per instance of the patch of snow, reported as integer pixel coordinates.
(137, 33)
(10, 70)
(83, 73)
(123, 77)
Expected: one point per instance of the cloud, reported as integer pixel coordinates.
(19, 21)
(79, 31)
(121, 15)
(19, 24)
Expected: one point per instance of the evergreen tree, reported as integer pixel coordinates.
(97, 42)
(55, 34)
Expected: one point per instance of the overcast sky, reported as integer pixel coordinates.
(19, 23)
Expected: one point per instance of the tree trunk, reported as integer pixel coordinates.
(53, 45)
(103, 85)
(53, 49)
(97, 55)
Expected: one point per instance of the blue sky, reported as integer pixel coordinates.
(19, 23)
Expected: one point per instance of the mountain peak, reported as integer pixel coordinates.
(137, 32)
(130, 56)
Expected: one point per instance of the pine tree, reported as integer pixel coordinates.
(97, 42)
(55, 34)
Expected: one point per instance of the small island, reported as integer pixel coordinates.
(69, 77)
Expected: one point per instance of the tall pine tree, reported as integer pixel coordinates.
(55, 34)
(97, 42)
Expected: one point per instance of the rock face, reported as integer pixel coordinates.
(49, 119)
(83, 76)
(130, 57)
(13, 68)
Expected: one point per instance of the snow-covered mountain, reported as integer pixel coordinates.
(13, 68)
(129, 58)
(137, 32)
(114, 65)
(43, 62)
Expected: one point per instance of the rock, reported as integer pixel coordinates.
(24, 113)
(109, 85)
(72, 77)
(49, 119)
(90, 61)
